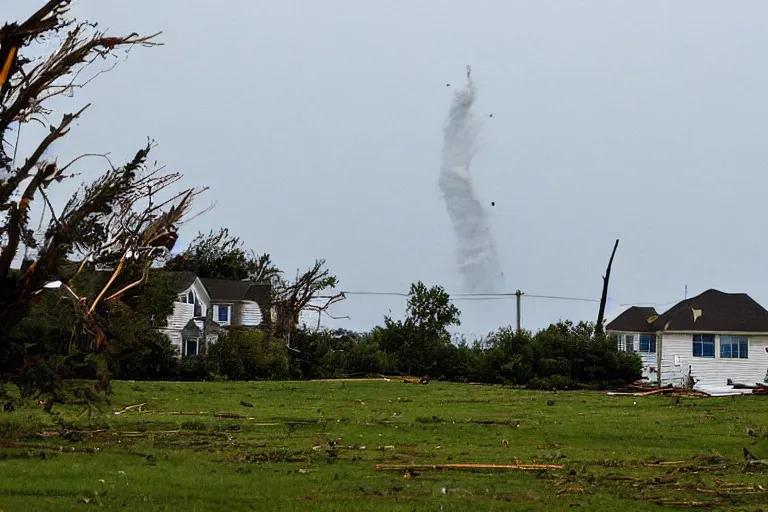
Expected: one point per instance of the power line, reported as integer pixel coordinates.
(502, 296)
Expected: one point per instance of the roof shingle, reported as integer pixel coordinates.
(710, 311)
(634, 319)
(715, 311)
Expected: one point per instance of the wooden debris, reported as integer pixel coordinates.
(664, 463)
(437, 467)
(143, 434)
(672, 503)
(130, 408)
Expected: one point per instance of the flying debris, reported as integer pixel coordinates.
(447, 85)
(493, 203)
(490, 115)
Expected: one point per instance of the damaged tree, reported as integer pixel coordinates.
(303, 295)
(118, 221)
(599, 328)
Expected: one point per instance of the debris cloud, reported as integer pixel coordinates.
(476, 249)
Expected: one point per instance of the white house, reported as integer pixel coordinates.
(205, 306)
(704, 340)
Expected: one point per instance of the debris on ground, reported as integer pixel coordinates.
(246, 404)
(136, 407)
(438, 467)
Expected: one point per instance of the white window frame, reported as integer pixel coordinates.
(621, 345)
(217, 310)
(655, 343)
(732, 340)
(197, 345)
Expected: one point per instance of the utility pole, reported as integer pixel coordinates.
(518, 293)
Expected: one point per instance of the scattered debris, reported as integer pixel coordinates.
(672, 503)
(505, 443)
(246, 404)
(437, 467)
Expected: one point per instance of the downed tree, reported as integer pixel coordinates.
(122, 221)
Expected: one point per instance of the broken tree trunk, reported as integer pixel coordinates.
(604, 297)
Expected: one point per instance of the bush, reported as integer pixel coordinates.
(195, 368)
(248, 354)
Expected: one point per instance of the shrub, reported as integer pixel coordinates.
(551, 382)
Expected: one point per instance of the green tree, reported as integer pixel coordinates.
(248, 354)
(421, 342)
(219, 255)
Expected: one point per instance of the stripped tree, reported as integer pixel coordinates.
(290, 299)
(123, 220)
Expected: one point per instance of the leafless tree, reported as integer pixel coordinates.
(290, 299)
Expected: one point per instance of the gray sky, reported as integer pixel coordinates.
(317, 125)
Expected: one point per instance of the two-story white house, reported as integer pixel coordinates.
(705, 340)
(206, 306)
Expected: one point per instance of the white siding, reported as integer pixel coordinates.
(182, 314)
(650, 364)
(175, 337)
(250, 314)
(712, 371)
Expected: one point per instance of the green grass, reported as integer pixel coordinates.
(277, 455)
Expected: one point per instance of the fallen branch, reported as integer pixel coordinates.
(643, 393)
(178, 413)
(142, 434)
(437, 467)
(130, 408)
(671, 503)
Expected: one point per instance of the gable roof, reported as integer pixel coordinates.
(634, 319)
(715, 311)
(181, 281)
(228, 290)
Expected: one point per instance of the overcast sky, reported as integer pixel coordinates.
(318, 127)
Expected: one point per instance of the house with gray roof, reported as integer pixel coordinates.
(705, 340)
(205, 307)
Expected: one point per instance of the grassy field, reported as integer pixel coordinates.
(315, 445)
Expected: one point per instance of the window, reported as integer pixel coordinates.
(224, 314)
(648, 343)
(703, 345)
(734, 347)
(191, 346)
(620, 343)
(190, 297)
(630, 342)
